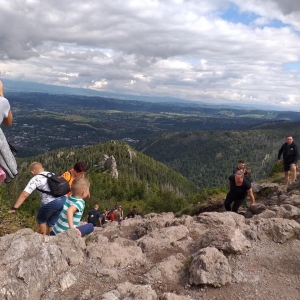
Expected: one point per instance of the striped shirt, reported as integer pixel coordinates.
(62, 223)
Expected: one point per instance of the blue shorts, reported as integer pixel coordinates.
(49, 213)
(84, 229)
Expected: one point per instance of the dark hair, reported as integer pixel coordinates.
(80, 167)
(241, 161)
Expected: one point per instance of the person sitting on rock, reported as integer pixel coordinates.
(239, 188)
(73, 209)
(94, 216)
(133, 213)
(51, 207)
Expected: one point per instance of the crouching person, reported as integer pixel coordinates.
(73, 209)
(51, 206)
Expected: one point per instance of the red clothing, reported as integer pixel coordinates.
(111, 217)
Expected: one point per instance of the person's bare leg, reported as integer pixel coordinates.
(43, 229)
(293, 172)
(286, 177)
(49, 229)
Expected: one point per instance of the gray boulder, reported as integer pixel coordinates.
(209, 266)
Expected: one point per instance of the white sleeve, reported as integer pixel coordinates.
(31, 185)
(4, 106)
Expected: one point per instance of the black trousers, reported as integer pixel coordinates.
(236, 204)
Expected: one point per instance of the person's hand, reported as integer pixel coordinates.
(252, 204)
(278, 161)
(78, 231)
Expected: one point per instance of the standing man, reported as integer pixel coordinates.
(239, 188)
(290, 156)
(94, 216)
(242, 167)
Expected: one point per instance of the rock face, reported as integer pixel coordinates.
(109, 164)
(162, 257)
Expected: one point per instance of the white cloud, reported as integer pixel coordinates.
(176, 48)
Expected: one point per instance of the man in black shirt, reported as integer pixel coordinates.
(239, 188)
(94, 216)
(290, 154)
(242, 167)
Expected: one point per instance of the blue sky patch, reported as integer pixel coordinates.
(232, 14)
(292, 65)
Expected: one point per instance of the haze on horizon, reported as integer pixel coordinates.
(229, 51)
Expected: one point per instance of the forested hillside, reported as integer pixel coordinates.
(208, 157)
(142, 180)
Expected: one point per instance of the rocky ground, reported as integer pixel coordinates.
(210, 256)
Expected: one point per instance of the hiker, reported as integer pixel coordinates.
(94, 216)
(6, 117)
(51, 206)
(239, 188)
(103, 217)
(78, 170)
(121, 212)
(117, 214)
(73, 209)
(290, 154)
(241, 166)
(133, 213)
(110, 216)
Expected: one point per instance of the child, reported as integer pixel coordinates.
(73, 209)
(51, 206)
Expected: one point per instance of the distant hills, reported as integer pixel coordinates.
(25, 86)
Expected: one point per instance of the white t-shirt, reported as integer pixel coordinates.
(39, 181)
(4, 108)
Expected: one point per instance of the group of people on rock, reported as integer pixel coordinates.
(57, 214)
(115, 214)
(240, 181)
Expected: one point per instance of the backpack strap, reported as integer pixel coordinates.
(47, 176)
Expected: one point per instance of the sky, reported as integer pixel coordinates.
(215, 51)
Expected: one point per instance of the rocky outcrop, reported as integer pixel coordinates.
(109, 164)
(160, 257)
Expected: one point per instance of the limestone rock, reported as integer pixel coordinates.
(209, 266)
(258, 187)
(225, 238)
(171, 296)
(115, 255)
(276, 229)
(130, 291)
(164, 238)
(169, 270)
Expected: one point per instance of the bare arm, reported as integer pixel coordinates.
(70, 214)
(20, 201)
(8, 121)
(251, 195)
(1, 89)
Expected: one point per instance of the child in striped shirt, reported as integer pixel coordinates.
(73, 209)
